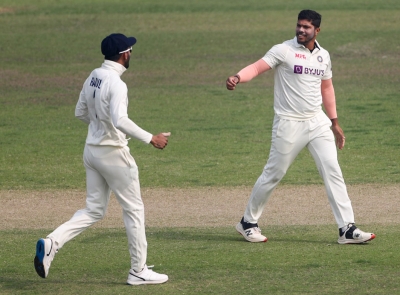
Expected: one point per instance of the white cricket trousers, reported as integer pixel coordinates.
(288, 139)
(109, 169)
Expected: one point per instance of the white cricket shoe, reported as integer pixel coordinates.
(45, 251)
(353, 235)
(252, 234)
(146, 276)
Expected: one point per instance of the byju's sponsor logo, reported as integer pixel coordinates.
(298, 69)
(314, 72)
(308, 71)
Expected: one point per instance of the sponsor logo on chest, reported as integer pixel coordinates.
(300, 55)
(298, 69)
(307, 70)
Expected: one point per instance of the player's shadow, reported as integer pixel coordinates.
(310, 241)
(191, 234)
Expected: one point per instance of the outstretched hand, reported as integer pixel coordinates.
(160, 140)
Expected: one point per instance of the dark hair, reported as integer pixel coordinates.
(113, 58)
(310, 15)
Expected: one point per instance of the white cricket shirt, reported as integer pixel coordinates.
(298, 75)
(103, 104)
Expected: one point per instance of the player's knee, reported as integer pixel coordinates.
(274, 176)
(97, 214)
(331, 168)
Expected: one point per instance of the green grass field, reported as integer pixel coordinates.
(296, 260)
(185, 52)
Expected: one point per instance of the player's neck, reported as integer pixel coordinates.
(311, 45)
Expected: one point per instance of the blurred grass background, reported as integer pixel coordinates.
(176, 82)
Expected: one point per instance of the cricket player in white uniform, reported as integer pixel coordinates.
(303, 82)
(103, 104)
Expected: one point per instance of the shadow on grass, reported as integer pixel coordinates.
(37, 286)
(178, 234)
(323, 241)
(230, 235)
(211, 234)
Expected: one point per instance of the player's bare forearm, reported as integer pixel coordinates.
(328, 98)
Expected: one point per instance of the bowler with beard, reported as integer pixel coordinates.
(302, 85)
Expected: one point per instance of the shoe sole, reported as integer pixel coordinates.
(38, 261)
(352, 241)
(251, 241)
(135, 283)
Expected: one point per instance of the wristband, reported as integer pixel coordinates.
(237, 76)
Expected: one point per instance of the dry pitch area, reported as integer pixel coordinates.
(203, 207)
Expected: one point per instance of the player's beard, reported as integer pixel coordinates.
(126, 64)
(307, 38)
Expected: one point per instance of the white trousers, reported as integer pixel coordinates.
(288, 139)
(110, 169)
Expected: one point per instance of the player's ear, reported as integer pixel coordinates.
(317, 31)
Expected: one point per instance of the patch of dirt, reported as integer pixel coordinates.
(6, 10)
(33, 84)
(203, 207)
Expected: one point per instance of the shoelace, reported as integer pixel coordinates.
(257, 229)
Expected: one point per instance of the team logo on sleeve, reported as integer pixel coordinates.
(320, 59)
(298, 69)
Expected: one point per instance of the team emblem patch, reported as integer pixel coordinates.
(320, 59)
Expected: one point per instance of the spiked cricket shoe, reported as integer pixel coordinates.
(45, 251)
(252, 234)
(353, 235)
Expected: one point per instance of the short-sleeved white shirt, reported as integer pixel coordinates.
(298, 75)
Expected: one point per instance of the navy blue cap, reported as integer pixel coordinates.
(116, 43)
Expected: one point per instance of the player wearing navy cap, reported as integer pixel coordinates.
(303, 82)
(103, 104)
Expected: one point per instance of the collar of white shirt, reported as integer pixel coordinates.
(112, 65)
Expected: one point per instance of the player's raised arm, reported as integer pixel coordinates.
(248, 73)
